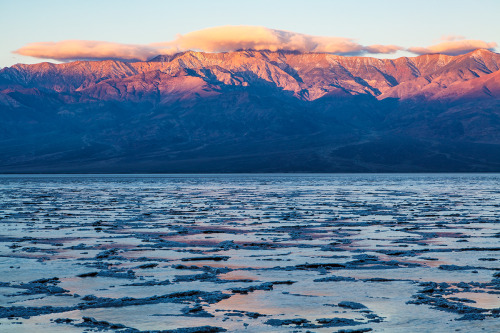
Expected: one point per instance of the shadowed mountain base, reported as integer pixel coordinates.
(253, 111)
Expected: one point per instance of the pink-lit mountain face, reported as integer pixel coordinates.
(227, 111)
(308, 76)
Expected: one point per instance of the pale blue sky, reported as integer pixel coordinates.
(404, 23)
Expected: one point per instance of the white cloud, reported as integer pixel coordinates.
(386, 49)
(454, 47)
(232, 38)
(218, 39)
(86, 49)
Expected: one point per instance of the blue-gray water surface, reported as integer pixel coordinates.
(250, 253)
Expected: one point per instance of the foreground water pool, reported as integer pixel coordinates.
(250, 253)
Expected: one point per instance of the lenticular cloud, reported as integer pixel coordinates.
(218, 39)
(89, 50)
(231, 38)
(454, 47)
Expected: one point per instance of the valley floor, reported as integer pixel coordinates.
(250, 253)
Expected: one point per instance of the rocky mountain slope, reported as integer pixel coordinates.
(253, 111)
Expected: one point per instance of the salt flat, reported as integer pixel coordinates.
(253, 253)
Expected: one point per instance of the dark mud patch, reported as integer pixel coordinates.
(263, 286)
(432, 294)
(41, 286)
(89, 323)
(320, 323)
(94, 302)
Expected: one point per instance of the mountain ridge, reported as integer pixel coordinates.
(253, 111)
(308, 76)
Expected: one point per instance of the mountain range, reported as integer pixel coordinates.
(253, 111)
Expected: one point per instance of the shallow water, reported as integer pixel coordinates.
(272, 253)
